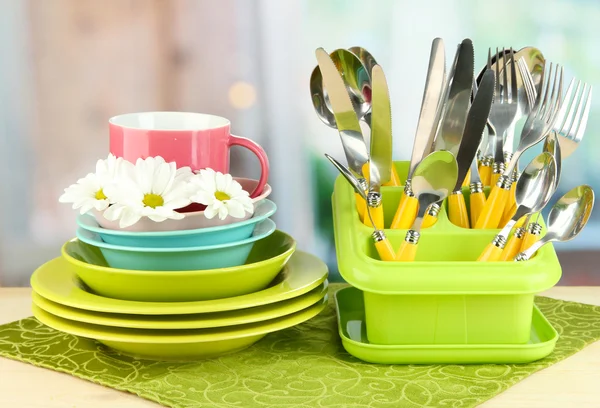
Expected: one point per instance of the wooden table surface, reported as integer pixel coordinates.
(574, 382)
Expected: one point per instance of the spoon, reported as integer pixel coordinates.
(369, 62)
(533, 190)
(565, 137)
(357, 79)
(567, 218)
(432, 180)
(538, 125)
(382, 244)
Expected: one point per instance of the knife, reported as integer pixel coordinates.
(353, 142)
(427, 126)
(348, 126)
(431, 105)
(459, 95)
(473, 131)
(380, 169)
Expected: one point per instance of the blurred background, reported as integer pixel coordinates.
(69, 65)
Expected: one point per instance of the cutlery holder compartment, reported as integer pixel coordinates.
(445, 296)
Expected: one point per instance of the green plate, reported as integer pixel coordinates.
(352, 329)
(266, 259)
(57, 281)
(178, 344)
(190, 321)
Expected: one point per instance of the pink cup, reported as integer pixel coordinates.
(196, 140)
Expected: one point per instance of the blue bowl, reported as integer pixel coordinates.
(222, 234)
(178, 259)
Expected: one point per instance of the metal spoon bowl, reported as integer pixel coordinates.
(536, 185)
(357, 79)
(552, 146)
(566, 220)
(435, 177)
(570, 214)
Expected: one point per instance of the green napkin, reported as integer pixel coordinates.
(302, 367)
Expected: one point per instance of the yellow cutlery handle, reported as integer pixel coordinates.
(493, 209)
(511, 205)
(512, 248)
(385, 250)
(395, 179)
(530, 237)
(467, 179)
(490, 253)
(407, 252)
(361, 204)
(377, 214)
(494, 178)
(406, 213)
(477, 203)
(509, 212)
(429, 221)
(485, 173)
(457, 210)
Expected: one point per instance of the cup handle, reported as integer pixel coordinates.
(262, 158)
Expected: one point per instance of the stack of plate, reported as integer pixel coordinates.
(179, 295)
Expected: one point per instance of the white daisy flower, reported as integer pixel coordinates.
(221, 195)
(151, 188)
(89, 192)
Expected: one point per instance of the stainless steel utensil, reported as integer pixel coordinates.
(504, 110)
(346, 119)
(357, 81)
(430, 106)
(427, 127)
(566, 220)
(458, 101)
(432, 180)
(380, 169)
(538, 125)
(383, 246)
(533, 190)
(472, 134)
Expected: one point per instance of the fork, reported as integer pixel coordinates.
(504, 110)
(539, 123)
(568, 131)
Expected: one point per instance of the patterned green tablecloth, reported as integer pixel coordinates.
(301, 367)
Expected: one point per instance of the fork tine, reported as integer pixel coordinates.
(544, 95)
(489, 64)
(565, 119)
(556, 102)
(582, 112)
(514, 90)
(527, 82)
(499, 94)
(507, 95)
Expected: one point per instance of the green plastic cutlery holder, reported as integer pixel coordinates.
(445, 296)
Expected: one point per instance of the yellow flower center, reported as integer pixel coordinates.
(153, 200)
(221, 196)
(100, 195)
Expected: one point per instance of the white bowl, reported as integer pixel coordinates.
(191, 220)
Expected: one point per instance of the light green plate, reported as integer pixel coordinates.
(178, 344)
(268, 256)
(57, 281)
(351, 325)
(190, 321)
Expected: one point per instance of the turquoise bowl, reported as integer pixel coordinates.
(178, 259)
(222, 234)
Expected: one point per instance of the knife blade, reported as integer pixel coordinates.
(380, 169)
(459, 95)
(474, 125)
(348, 126)
(430, 105)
